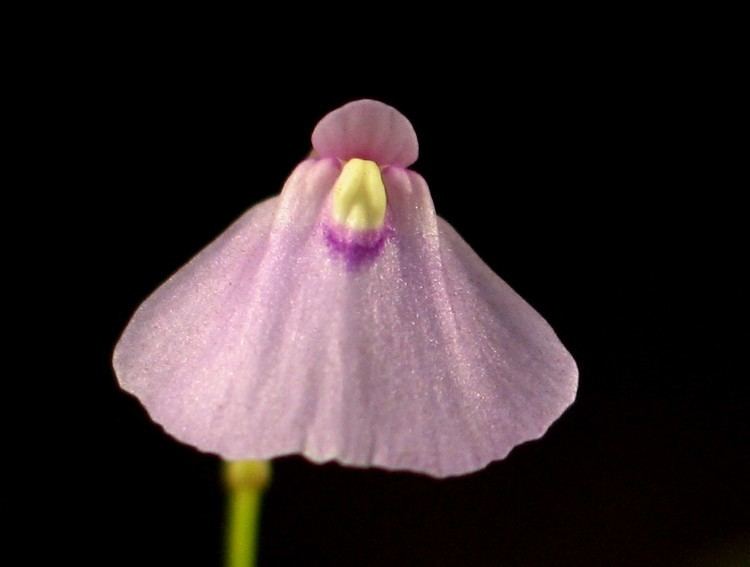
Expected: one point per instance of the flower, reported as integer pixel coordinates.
(345, 321)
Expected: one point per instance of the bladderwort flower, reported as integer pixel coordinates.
(344, 320)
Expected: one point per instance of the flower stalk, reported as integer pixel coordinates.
(245, 482)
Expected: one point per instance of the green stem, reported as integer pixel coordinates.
(245, 482)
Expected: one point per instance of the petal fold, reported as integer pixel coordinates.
(367, 129)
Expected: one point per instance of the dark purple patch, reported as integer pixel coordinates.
(356, 247)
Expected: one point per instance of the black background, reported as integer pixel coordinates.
(593, 184)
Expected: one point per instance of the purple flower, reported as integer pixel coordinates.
(344, 320)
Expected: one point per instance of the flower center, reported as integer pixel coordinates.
(359, 199)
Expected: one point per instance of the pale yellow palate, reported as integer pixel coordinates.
(359, 198)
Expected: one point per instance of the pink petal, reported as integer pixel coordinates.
(268, 343)
(367, 129)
